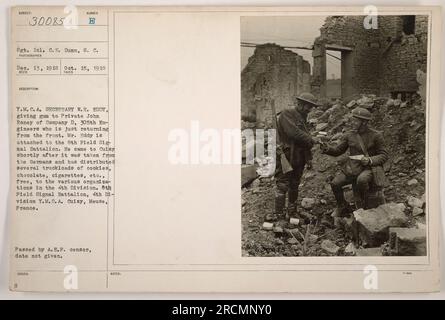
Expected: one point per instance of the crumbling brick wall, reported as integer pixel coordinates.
(272, 73)
(403, 54)
(348, 31)
(383, 61)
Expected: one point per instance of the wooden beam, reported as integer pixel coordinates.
(337, 47)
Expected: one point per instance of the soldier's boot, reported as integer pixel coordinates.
(343, 209)
(292, 211)
(366, 205)
(280, 202)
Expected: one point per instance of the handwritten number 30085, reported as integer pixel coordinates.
(46, 21)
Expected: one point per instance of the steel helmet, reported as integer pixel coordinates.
(361, 113)
(309, 98)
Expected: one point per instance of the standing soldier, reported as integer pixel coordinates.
(366, 143)
(296, 145)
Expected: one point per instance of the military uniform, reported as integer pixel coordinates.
(297, 143)
(354, 172)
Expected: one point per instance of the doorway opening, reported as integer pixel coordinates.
(333, 74)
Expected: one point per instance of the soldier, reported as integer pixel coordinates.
(297, 143)
(360, 140)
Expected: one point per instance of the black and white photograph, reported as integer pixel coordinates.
(345, 98)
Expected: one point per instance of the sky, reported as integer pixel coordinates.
(286, 31)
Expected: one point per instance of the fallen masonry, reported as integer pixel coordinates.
(330, 247)
(407, 241)
(369, 252)
(373, 224)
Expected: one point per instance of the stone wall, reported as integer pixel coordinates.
(382, 61)
(272, 73)
(403, 55)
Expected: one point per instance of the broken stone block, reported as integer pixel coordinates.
(278, 230)
(398, 159)
(350, 248)
(369, 252)
(308, 203)
(330, 247)
(414, 202)
(373, 224)
(292, 241)
(412, 182)
(397, 102)
(421, 226)
(389, 102)
(417, 211)
(297, 247)
(248, 174)
(313, 238)
(294, 221)
(408, 241)
(267, 226)
(321, 126)
(351, 103)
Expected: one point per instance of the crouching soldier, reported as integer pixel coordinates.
(361, 141)
(293, 132)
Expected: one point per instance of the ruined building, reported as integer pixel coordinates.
(272, 75)
(382, 61)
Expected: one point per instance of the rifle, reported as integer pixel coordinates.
(285, 165)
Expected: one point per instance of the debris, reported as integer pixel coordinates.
(248, 174)
(414, 202)
(313, 238)
(330, 247)
(278, 241)
(266, 166)
(421, 226)
(350, 248)
(417, 211)
(267, 226)
(308, 203)
(351, 104)
(408, 241)
(278, 230)
(292, 241)
(398, 159)
(405, 144)
(369, 252)
(389, 102)
(321, 126)
(366, 101)
(373, 224)
(256, 183)
(297, 247)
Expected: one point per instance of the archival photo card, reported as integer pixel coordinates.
(225, 149)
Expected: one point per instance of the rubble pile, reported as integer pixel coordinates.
(395, 228)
